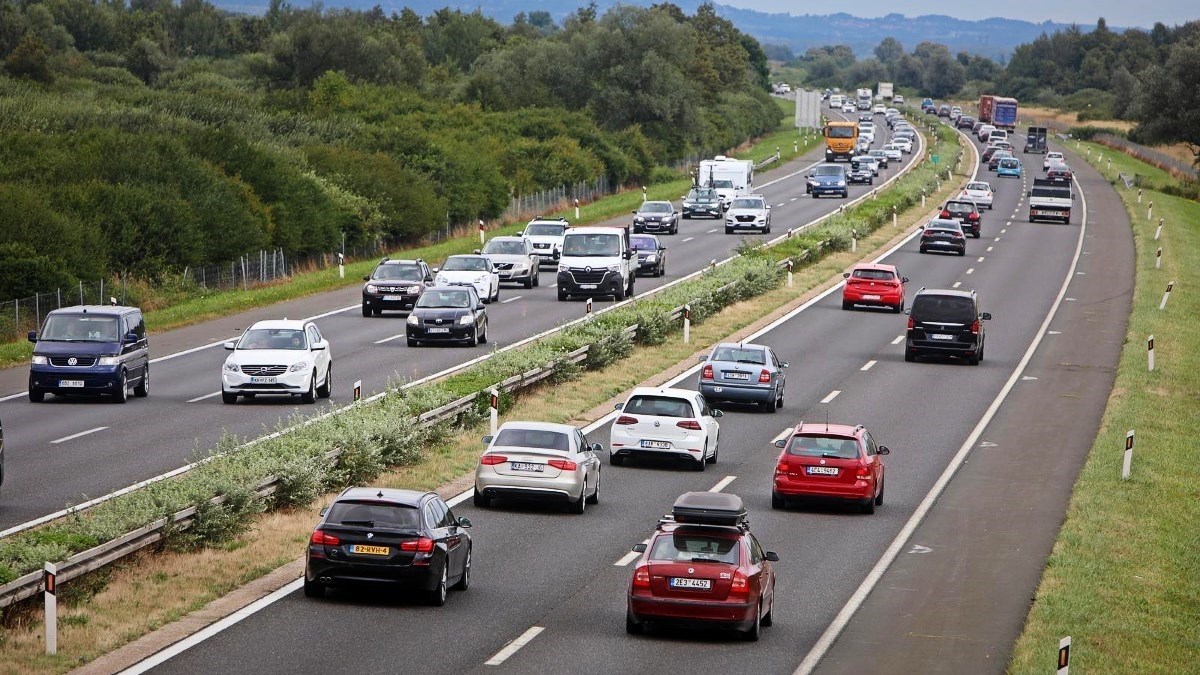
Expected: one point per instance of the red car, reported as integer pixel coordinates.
(875, 285)
(703, 568)
(830, 461)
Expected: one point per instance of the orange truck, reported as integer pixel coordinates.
(840, 140)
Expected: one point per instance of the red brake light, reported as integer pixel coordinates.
(862, 473)
(975, 326)
(764, 376)
(973, 216)
(945, 213)
(911, 324)
(740, 584)
(641, 578)
(707, 373)
(689, 424)
(958, 235)
(492, 460)
(563, 464)
(626, 419)
(422, 545)
(322, 539)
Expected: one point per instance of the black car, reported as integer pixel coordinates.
(702, 202)
(651, 254)
(400, 538)
(448, 314)
(944, 322)
(943, 235)
(965, 212)
(395, 285)
(860, 173)
(656, 217)
(965, 122)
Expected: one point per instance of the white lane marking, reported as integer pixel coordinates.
(1080, 273)
(793, 199)
(711, 231)
(512, 647)
(980, 259)
(832, 395)
(864, 589)
(989, 249)
(206, 396)
(722, 484)
(957, 284)
(869, 364)
(389, 339)
(971, 270)
(553, 285)
(782, 435)
(898, 340)
(512, 299)
(1004, 230)
(72, 437)
(1053, 332)
(779, 204)
(687, 240)
(629, 557)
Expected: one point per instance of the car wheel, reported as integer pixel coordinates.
(869, 506)
(437, 597)
(562, 295)
(879, 497)
(310, 396)
(729, 230)
(122, 389)
(377, 312)
(537, 277)
(631, 282)
(483, 337)
(923, 250)
(412, 342)
(616, 460)
(326, 388)
(702, 463)
(777, 500)
(619, 294)
(910, 355)
(899, 308)
(632, 627)
(716, 451)
(595, 498)
(481, 500)
(768, 618)
(768, 230)
(496, 295)
(846, 304)
(962, 253)
(529, 282)
(228, 397)
(973, 360)
(142, 389)
(313, 589)
(675, 228)
(751, 634)
(579, 505)
(366, 310)
(464, 582)
(474, 339)
(36, 396)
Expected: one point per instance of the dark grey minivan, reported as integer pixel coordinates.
(90, 350)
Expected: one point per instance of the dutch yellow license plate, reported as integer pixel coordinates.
(370, 550)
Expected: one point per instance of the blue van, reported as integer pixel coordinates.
(90, 349)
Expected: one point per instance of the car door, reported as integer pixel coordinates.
(437, 516)
(712, 429)
(760, 573)
(780, 373)
(873, 459)
(321, 357)
(479, 314)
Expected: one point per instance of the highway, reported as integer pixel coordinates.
(68, 449)
(539, 568)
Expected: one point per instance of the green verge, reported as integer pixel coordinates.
(372, 436)
(1121, 580)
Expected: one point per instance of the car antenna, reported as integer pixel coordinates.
(379, 494)
(827, 420)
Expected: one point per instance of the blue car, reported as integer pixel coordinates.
(1009, 166)
(827, 179)
(743, 373)
(90, 350)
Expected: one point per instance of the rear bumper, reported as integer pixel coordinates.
(416, 577)
(457, 333)
(947, 348)
(727, 614)
(883, 300)
(737, 392)
(860, 490)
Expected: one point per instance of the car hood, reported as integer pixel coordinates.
(757, 213)
(461, 276)
(55, 348)
(447, 314)
(652, 216)
(284, 357)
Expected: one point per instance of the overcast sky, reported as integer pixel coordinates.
(1122, 13)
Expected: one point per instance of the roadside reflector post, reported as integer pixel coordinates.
(1150, 353)
(1158, 258)
(643, 193)
(712, 264)
(587, 311)
(922, 199)
(895, 222)
(576, 209)
(1139, 195)
(1127, 462)
(687, 324)
(1150, 211)
(493, 411)
(481, 231)
(795, 147)
(1064, 653)
(357, 390)
(50, 591)
(341, 266)
(853, 240)
(1158, 230)
(1110, 163)
(1166, 294)
(789, 273)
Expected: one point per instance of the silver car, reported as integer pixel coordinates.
(743, 372)
(540, 461)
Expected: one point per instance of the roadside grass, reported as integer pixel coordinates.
(151, 591)
(1121, 580)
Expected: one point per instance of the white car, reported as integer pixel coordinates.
(849, 107)
(894, 153)
(547, 237)
(898, 99)
(278, 357)
(470, 270)
(904, 143)
(539, 461)
(867, 133)
(1053, 158)
(665, 422)
(880, 109)
(979, 192)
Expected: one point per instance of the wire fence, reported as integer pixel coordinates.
(535, 204)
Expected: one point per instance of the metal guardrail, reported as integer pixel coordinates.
(1128, 180)
(768, 161)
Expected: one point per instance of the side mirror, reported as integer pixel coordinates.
(884, 450)
(478, 306)
(428, 279)
(661, 247)
(908, 312)
(772, 556)
(229, 346)
(596, 447)
(463, 521)
(920, 227)
(702, 358)
(768, 207)
(627, 255)
(436, 270)
(718, 413)
(845, 275)
(366, 277)
(781, 443)
(904, 280)
(634, 212)
(520, 234)
(618, 406)
(32, 336)
(131, 338)
(639, 547)
(319, 346)
(783, 364)
(986, 316)
(324, 511)
(487, 440)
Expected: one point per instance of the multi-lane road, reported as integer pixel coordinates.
(555, 583)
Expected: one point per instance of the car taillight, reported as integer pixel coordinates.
(422, 545)
(689, 424)
(740, 584)
(911, 324)
(707, 373)
(764, 376)
(958, 235)
(781, 469)
(945, 213)
(323, 539)
(626, 419)
(863, 473)
(492, 460)
(973, 216)
(975, 326)
(641, 578)
(563, 464)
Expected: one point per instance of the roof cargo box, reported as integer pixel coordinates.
(709, 508)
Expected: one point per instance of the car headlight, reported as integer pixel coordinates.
(232, 367)
(651, 258)
(481, 278)
(414, 289)
(639, 219)
(413, 320)
(563, 268)
(517, 267)
(841, 183)
(372, 288)
(39, 360)
(466, 319)
(108, 360)
(298, 367)
(614, 268)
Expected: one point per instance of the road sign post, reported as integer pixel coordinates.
(1127, 463)
(50, 593)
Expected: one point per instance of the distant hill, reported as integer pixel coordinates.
(995, 37)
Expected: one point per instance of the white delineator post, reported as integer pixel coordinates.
(895, 222)
(1139, 195)
(687, 324)
(1064, 656)
(854, 240)
(481, 232)
(494, 411)
(357, 390)
(588, 308)
(576, 209)
(1150, 211)
(1166, 294)
(1158, 232)
(1150, 353)
(922, 199)
(789, 273)
(50, 591)
(1158, 259)
(1127, 462)
(341, 266)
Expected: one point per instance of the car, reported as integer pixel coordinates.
(931, 110)
(401, 539)
(894, 152)
(1052, 158)
(898, 99)
(286, 357)
(868, 161)
(475, 270)
(965, 122)
(979, 192)
(881, 158)
(983, 131)
(874, 284)
(651, 254)
(751, 211)
(656, 216)
(826, 461)
(1009, 166)
(515, 260)
(904, 132)
(862, 146)
(945, 322)
(860, 173)
(547, 237)
(596, 261)
(880, 109)
(665, 422)
(867, 132)
(849, 107)
(904, 143)
(701, 202)
(90, 350)
(1059, 171)
(965, 212)
(448, 314)
(864, 117)
(993, 162)
(997, 135)
(539, 461)
(955, 111)
(943, 235)
(990, 151)
(395, 285)
(827, 179)
(743, 373)
(943, 111)
(702, 567)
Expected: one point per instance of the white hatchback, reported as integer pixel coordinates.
(278, 357)
(904, 143)
(470, 270)
(665, 422)
(979, 192)
(894, 152)
(1052, 158)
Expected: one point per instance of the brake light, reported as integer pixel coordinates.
(781, 469)
(764, 376)
(323, 539)
(626, 419)
(422, 545)
(958, 235)
(911, 324)
(492, 460)
(707, 373)
(563, 464)
(641, 578)
(740, 584)
(973, 216)
(975, 326)
(862, 473)
(689, 424)
(945, 213)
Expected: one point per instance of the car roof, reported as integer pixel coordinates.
(874, 266)
(102, 310)
(655, 201)
(558, 221)
(399, 261)
(538, 426)
(596, 230)
(393, 495)
(739, 345)
(663, 391)
(295, 324)
(827, 428)
(452, 287)
(948, 291)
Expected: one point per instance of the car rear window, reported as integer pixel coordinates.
(659, 406)
(960, 207)
(841, 447)
(533, 438)
(692, 546)
(878, 275)
(1009, 163)
(643, 243)
(374, 514)
(951, 308)
(740, 355)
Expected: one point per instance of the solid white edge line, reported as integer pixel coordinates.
(389, 339)
(512, 647)
(722, 484)
(201, 398)
(832, 395)
(72, 437)
(869, 365)
(885, 561)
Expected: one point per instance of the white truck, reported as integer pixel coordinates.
(1051, 199)
(885, 90)
(730, 177)
(835, 101)
(864, 99)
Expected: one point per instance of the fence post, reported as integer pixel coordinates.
(102, 302)
(895, 222)
(1064, 654)
(17, 317)
(853, 240)
(588, 308)
(1150, 211)
(37, 309)
(245, 281)
(1139, 195)
(81, 291)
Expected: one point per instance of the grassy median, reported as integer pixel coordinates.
(1122, 578)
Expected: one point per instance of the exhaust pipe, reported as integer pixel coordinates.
(326, 580)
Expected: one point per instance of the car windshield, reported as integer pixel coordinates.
(877, 275)
(839, 447)
(659, 406)
(951, 308)
(878, 153)
(643, 243)
(465, 264)
(545, 230)
(374, 515)
(979, 187)
(695, 547)
(828, 170)
(839, 132)
(80, 328)
(599, 245)
(510, 247)
(746, 204)
(701, 196)
(655, 207)
(398, 273)
(533, 438)
(739, 355)
(446, 298)
(273, 338)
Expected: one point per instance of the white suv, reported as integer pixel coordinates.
(547, 237)
(664, 422)
(278, 357)
(751, 211)
(596, 261)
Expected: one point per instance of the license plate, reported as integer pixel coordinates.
(263, 380)
(702, 584)
(870, 297)
(439, 330)
(587, 287)
(364, 549)
(528, 466)
(657, 445)
(72, 384)
(941, 336)
(393, 298)
(737, 376)
(821, 470)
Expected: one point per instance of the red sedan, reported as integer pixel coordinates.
(830, 461)
(874, 285)
(703, 568)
